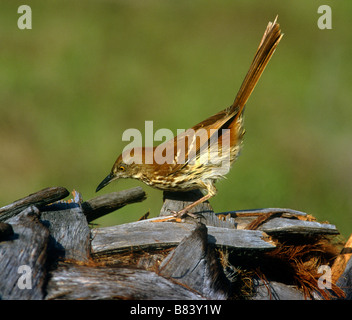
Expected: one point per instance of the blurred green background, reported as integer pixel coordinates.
(89, 70)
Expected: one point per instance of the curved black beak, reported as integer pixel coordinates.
(105, 182)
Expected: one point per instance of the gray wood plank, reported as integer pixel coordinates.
(106, 203)
(243, 218)
(194, 264)
(69, 231)
(284, 226)
(285, 212)
(37, 199)
(151, 234)
(27, 249)
(98, 282)
(272, 290)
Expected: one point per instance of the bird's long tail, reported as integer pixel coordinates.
(267, 46)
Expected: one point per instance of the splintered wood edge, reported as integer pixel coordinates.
(285, 212)
(106, 203)
(288, 226)
(151, 234)
(39, 198)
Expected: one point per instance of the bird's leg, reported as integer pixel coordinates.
(185, 211)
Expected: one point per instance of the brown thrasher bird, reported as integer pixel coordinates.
(200, 156)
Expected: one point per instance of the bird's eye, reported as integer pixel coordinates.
(122, 168)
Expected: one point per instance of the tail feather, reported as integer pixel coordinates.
(267, 46)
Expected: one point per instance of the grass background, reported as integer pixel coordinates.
(88, 70)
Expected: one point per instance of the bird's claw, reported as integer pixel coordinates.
(183, 213)
(178, 216)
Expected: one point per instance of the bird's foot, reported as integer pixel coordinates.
(178, 216)
(183, 213)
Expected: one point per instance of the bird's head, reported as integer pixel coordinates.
(127, 165)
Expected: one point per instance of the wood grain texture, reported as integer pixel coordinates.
(195, 264)
(283, 226)
(70, 281)
(272, 290)
(26, 247)
(69, 231)
(242, 219)
(150, 234)
(38, 199)
(106, 203)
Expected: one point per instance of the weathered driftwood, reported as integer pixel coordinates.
(284, 212)
(194, 263)
(153, 234)
(286, 227)
(69, 231)
(23, 258)
(37, 199)
(272, 290)
(71, 281)
(289, 222)
(104, 204)
(149, 259)
(243, 219)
